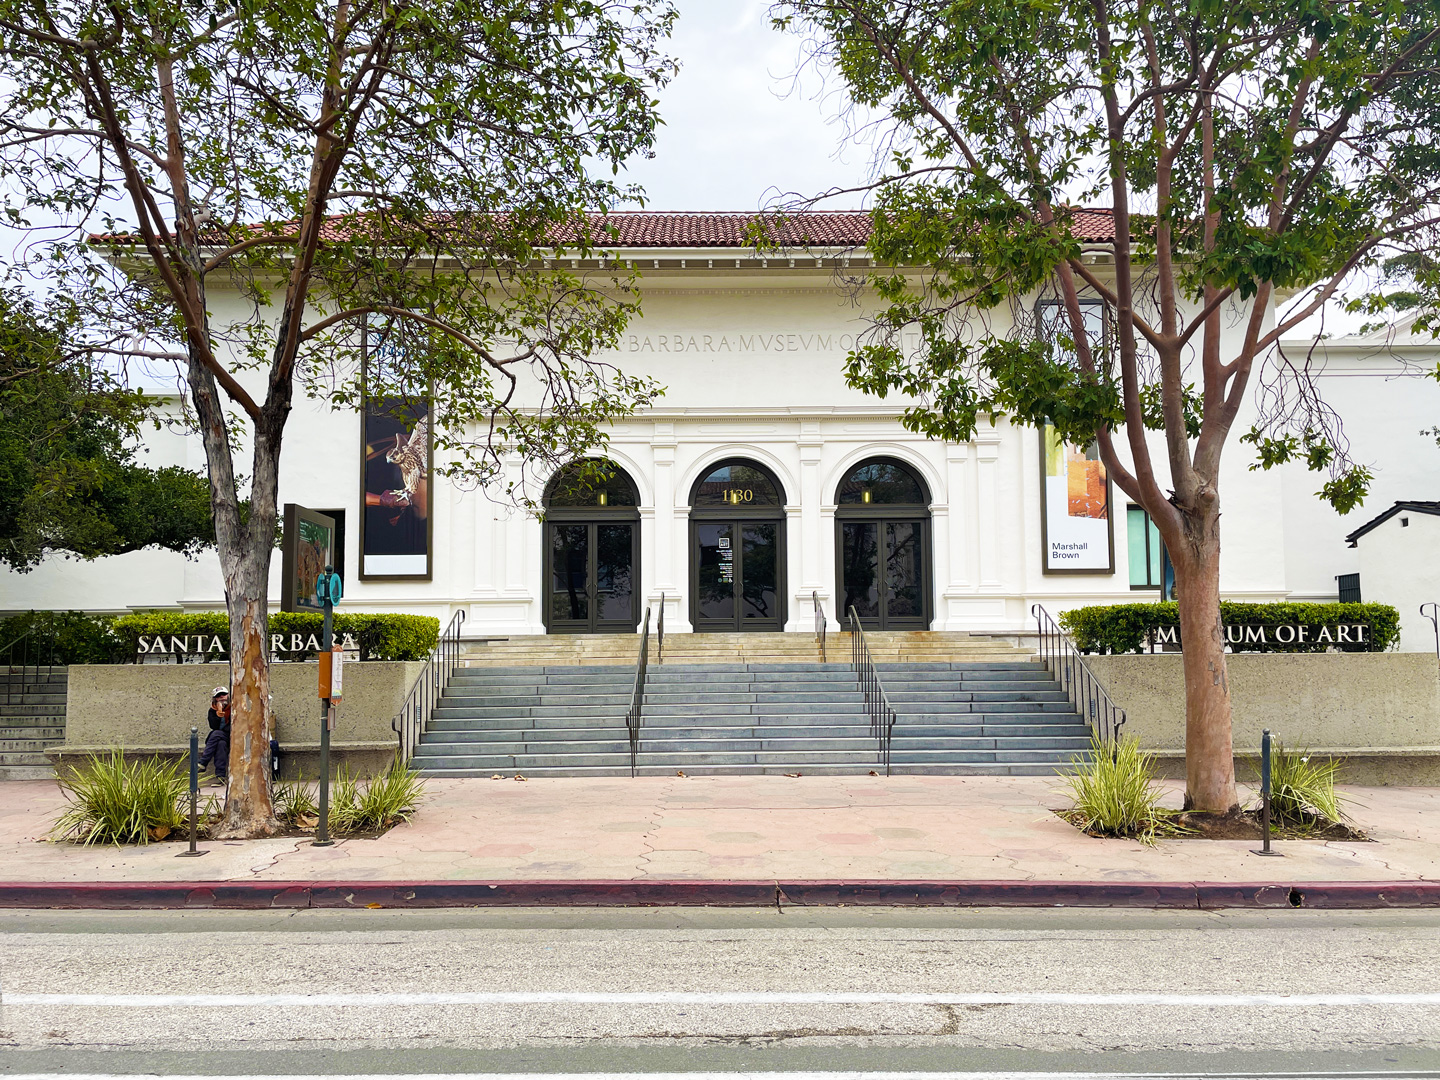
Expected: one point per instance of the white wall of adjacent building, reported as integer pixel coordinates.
(752, 363)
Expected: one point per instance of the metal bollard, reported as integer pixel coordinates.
(1265, 796)
(194, 792)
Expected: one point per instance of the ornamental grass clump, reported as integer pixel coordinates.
(1302, 788)
(113, 801)
(1114, 791)
(296, 804)
(388, 799)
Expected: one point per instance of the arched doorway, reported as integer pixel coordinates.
(882, 546)
(592, 550)
(737, 549)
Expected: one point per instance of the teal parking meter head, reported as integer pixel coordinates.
(328, 587)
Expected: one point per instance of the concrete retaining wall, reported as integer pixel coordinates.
(149, 708)
(1379, 711)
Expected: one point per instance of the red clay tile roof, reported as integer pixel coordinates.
(642, 228)
(659, 229)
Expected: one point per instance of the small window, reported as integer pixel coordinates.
(1146, 550)
(735, 483)
(882, 481)
(593, 482)
(1349, 588)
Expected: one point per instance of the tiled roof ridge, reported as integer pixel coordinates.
(731, 228)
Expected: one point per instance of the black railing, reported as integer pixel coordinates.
(24, 659)
(820, 622)
(1434, 616)
(1063, 660)
(660, 633)
(409, 723)
(877, 703)
(637, 698)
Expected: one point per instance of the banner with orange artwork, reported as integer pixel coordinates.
(1076, 525)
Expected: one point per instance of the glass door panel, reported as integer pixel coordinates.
(860, 570)
(569, 574)
(760, 571)
(715, 584)
(883, 572)
(904, 577)
(614, 573)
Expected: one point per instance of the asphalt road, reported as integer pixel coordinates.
(694, 991)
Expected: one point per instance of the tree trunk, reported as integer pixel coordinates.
(248, 808)
(1209, 748)
(245, 555)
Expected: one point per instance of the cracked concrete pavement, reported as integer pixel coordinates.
(758, 953)
(740, 827)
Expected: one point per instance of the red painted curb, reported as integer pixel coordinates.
(258, 895)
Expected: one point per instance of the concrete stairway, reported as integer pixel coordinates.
(32, 717)
(998, 717)
(620, 649)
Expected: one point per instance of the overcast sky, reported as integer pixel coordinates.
(738, 127)
(741, 128)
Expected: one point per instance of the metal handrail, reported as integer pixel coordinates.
(1063, 660)
(637, 698)
(410, 722)
(820, 622)
(660, 633)
(33, 654)
(1434, 616)
(877, 702)
(14, 686)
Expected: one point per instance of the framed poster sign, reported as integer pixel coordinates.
(310, 543)
(1075, 523)
(397, 467)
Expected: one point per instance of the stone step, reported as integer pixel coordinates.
(797, 760)
(442, 732)
(26, 772)
(514, 698)
(22, 713)
(53, 732)
(27, 746)
(548, 707)
(773, 705)
(22, 757)
(679, 747)
(922, 672)
(443, 729)
(762, 770)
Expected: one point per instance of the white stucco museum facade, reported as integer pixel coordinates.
(751, 351)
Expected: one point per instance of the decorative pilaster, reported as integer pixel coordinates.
(987, 454)
(667, 533)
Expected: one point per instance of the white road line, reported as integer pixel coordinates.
(556, 997)
(750, 1076)
(1197, 1075)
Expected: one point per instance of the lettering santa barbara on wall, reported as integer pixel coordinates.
(207, 644)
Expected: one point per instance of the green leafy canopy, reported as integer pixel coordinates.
(70, 480)
(1241, 150)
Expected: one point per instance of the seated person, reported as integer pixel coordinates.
(217, 743)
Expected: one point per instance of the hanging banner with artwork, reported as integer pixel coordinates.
(1075, 519)
(396, 469)
(311, 541)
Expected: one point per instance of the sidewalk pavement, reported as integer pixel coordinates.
(819, 828)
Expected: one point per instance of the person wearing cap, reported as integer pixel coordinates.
(217, 743)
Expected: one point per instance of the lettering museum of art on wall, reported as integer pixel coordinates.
(759, 482)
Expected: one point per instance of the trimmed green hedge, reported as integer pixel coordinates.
(1125, 627)
(72, 637)
(60, 637)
